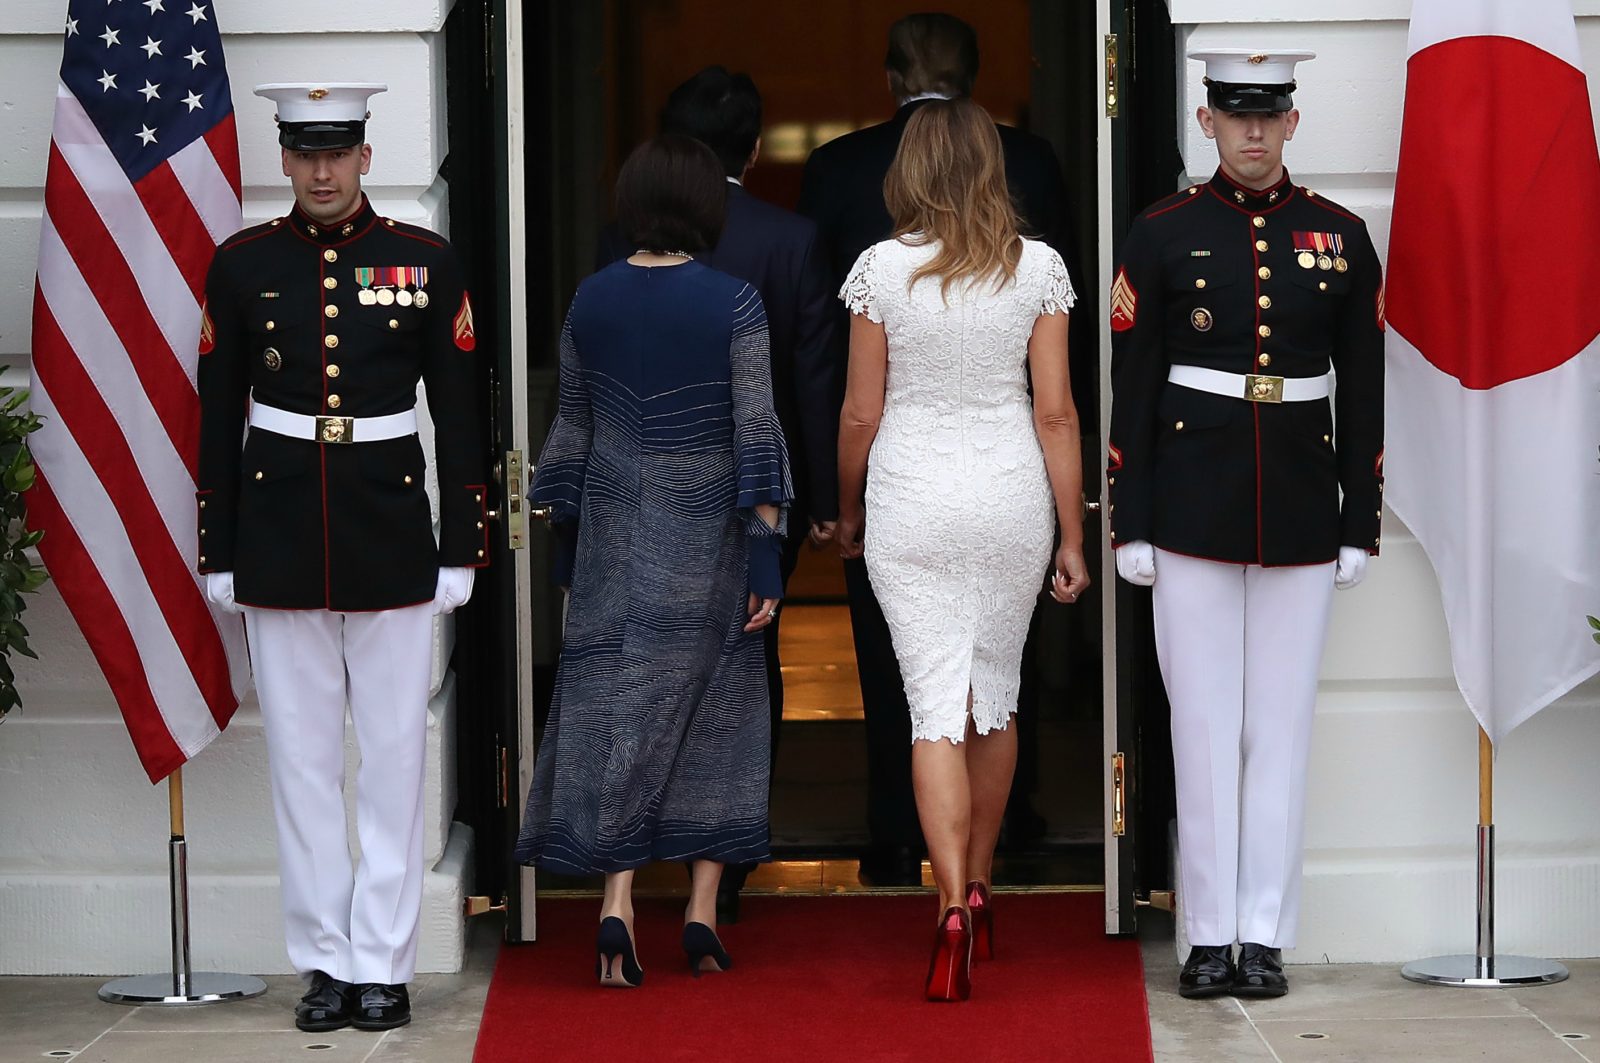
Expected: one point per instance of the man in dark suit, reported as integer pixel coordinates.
(931, 56)
(777, 251)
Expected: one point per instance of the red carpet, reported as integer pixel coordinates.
(824, 978)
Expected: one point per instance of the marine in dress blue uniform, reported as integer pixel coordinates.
(316, 332)
(1244, 495)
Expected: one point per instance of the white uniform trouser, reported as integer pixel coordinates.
(1240, 649)
(358, 925)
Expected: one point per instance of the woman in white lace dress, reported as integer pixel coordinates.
(958, 506)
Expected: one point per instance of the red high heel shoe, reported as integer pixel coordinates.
(950, 969)
(982, 921)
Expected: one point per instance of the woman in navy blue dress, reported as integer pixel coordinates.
(668, 459)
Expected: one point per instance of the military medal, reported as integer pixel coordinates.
(421, 300)
(1324, 262)
(366, 296)
(403, 297)
(272, 359)
(1307, 260)
(385, 297)
(1340, 265)
(1201, 319)
(1320, 250)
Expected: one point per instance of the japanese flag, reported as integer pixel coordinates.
(1493, 309)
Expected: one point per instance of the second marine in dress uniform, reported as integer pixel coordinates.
(317, 329)
(1244, 496)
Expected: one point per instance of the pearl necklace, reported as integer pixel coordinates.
(674, 254)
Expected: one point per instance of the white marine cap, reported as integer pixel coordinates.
(1243, 80)
(315, 116)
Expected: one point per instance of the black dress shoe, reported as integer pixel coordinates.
(1208, 972)
(891, 866)
(1260, 972)
(380, 1007)
(326, 1005)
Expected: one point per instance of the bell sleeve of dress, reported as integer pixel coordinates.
(761, 461)
(1139, 366)
(564, 461)
(1358, 400)
(224, 387)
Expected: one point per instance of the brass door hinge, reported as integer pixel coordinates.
(1113, 79)
(1161, 899)
(1119, 796)
(483, 906)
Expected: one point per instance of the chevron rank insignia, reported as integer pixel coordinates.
(208, 331)
(1124, 303)
(466, 338)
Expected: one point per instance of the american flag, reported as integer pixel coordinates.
(142, 184)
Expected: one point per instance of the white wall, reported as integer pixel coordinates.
(83, 835)
(1391, 824)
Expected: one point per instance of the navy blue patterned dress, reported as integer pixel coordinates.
(658, 742)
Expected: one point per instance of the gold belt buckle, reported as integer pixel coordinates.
(1263, 388)
(336, 429)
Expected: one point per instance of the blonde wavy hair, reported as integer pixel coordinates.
(948, 184)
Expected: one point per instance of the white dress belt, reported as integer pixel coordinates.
(1253, 387)
(321, 429)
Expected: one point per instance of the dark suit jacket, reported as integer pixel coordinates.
(777, 251)
(843, 190)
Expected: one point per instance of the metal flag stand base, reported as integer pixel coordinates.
(182, 987)
(1483, 969)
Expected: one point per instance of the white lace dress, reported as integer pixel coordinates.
(959, 515)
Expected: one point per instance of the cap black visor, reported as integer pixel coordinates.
(321, 136)
(1250, 99)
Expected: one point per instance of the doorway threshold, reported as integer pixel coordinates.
(830, 878)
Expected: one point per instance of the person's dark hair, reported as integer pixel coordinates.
(932, 52)
(671, 195)
(721, 111)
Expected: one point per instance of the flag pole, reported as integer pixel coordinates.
(1484, 969)
(183, 986)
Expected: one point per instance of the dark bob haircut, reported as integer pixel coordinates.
(671, 195)
(721, 111)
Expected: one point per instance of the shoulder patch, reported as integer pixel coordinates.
(208, 331)
(466, 338)
(1124, 303)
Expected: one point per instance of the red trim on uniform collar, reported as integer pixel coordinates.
(1250, 200)
(330, 234)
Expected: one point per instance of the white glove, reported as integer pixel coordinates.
(219, 591)
(1352, 567)
(453, 589)
(1136, 563)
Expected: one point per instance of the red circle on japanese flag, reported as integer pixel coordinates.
(1494, 255)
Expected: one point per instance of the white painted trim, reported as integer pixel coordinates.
(44, 17)
(517, 223)
(1244, 12)
(1108, 567)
